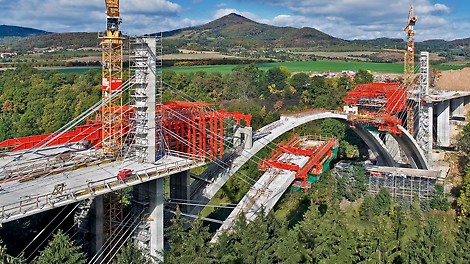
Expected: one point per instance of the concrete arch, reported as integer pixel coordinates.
(218, 177)
(377, 146)
(412, 150)
(405, 140)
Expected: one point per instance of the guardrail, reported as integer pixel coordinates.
(92, 189)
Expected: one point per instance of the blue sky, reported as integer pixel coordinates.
(347, 19)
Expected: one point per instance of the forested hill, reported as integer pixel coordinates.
(15, 31)
(234, 30)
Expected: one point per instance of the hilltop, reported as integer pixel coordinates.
(234, 30)
(16, 31)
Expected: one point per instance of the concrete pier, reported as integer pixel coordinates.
(443, 125)
(180, 189)
(156, 205)
(457, 108)
(97, 221)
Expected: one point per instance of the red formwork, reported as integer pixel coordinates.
(387, 98)
(317, 157)
(90, 132)
(378, 104)
(194, 128)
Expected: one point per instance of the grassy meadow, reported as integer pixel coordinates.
(311, 66)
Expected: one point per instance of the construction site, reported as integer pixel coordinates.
(148, 143)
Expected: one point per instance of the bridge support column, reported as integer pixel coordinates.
(243, 135)
(180, 189)
(443, 123)
(97, 221)
(156, 196)
(248, 137)
(457, 107)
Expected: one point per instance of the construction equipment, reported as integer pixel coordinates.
(377, 104)
(410, 65)
(111, 111)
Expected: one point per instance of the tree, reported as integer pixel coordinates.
(462, 253)
(368, 208)
(430, 245)
(187, 246)
(5, 258)
(463, 202)
(300, 81)
(61, 250)
(383, 201)
(363, 76)
(131, 254)
(439, 199)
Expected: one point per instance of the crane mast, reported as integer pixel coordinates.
(410, 48)
(409, 64)
(111, 111)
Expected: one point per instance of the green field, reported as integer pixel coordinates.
(311, 66)
(308, 66)
(77, 70)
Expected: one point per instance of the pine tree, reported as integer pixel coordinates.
(5, 258)
(462, 254)
(61, 250)
(430, 246)
(368, 208)
(131, 254)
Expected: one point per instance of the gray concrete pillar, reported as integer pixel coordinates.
(237, 137)
(248, 137)
(430, 136)
(457, 107)
(180, 189)
(156, 195)
(443, 123)
(97, 220)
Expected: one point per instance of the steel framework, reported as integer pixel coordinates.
(111, 111)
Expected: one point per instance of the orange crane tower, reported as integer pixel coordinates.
(111, 111)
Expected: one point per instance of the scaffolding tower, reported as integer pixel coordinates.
(147, 94)
(404, 185)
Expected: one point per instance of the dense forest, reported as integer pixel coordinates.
(334, 222)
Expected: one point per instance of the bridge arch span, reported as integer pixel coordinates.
(377, 146)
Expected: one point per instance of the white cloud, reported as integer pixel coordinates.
(89, 15)
(350, 19)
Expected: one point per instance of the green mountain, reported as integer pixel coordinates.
(234, 30)
(15, 31)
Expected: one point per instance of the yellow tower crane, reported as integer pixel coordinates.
(111, 111)
(410, 48)
(111, 114)
(410, 66)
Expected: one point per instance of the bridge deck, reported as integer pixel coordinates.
(18, 200)
(264, 193)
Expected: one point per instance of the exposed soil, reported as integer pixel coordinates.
(453, 80)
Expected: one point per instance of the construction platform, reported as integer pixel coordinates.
(29, 197)
(298, 155)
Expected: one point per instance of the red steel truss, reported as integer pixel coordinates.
(378, 104)
(194, 128)
(318, 155)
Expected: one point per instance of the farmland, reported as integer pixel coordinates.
(311, 66)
